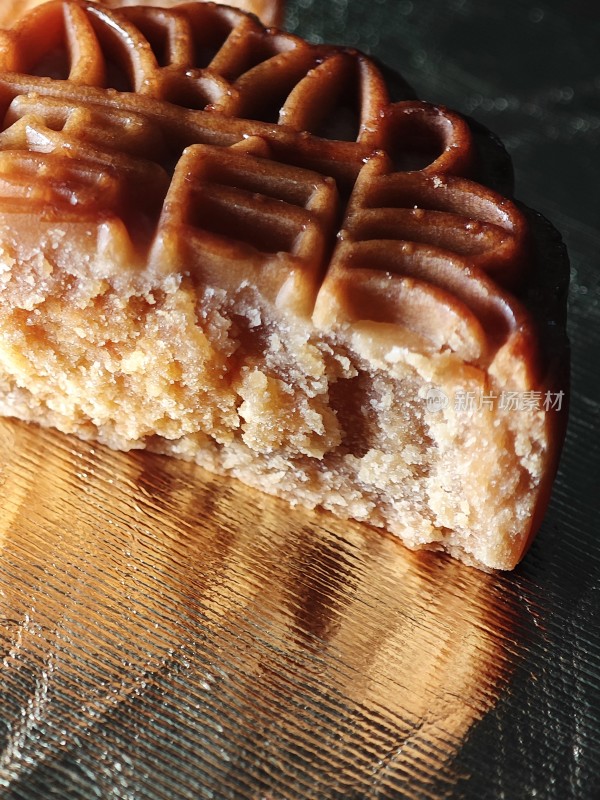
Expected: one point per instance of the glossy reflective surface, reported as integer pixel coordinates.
(163, 629)
(166, 634)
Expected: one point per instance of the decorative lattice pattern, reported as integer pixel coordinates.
(253, 155)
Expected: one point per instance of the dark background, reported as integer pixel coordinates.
(530, 72)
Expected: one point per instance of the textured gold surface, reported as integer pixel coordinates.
(290, 650)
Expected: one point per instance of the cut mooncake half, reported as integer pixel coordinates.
(220, 242)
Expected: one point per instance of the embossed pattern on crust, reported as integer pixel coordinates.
(270, 12)
(132, 88)
(220, 242)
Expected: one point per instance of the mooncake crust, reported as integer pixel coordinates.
(224, 243)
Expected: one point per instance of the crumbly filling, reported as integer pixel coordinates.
(220, 379)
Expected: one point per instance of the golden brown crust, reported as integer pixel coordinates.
(270, 12)
(309, 234)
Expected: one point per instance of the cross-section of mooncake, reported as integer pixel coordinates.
(223, 243)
